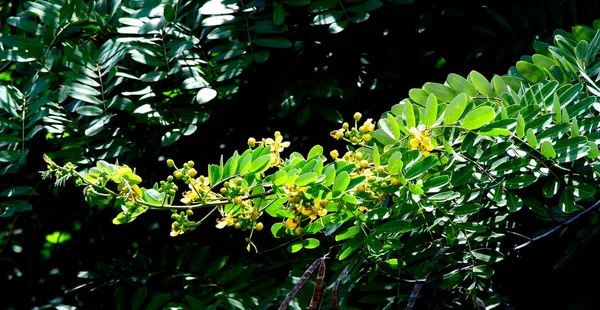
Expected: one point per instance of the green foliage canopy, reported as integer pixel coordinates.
(428, 195)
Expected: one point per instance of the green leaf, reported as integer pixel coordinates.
(348, 233)
(157, 301)
(531, 139)
(279, 178)
(14, 206)
(260, 164)
(273, 42)
(340, 184)
(520, 126)
(444, 196)
(315, 151)
(420, 167)
(409, 115)
(481, 84)
(441, 91)
(169, 12)
(478, 117)
(295, 247)
(376, 156)
(170, 137)
(365, 7)
(278, 230)
(310, 243)
(18, 190)
(22, 42)
(397, 226)
(338, 26)
(455, 109)
(466, 209)
(328, 17)
(513, 202)
(89, 110)
(395, 128)
(488, 256)
(530, 71)
(278, 14)
(499, 85)
(430, 112)
(214, 174)
(205, 95)
(461, 85)
(566, 202)
(306, 179)
(418, 95)
(139, 297)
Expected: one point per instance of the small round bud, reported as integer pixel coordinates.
(367, 137)
(190, 164)
(357, 116)
(383, 185)
(358, 156)
(170, 163)
(172, 192)
(323, 203)
(185, 165)
(345, 125)
(237, 226)
(395, 181)
(334, 154)
(170, 178)
(380, 169)
(299, 230)
(364, 163)
(189, 212)
(178, 175)
(290, 224)
(277, 134)
(238, 200)
(239, 181)
(174, 217)
(251, 142)
(192, 172)
(259, 226)
(223, 190)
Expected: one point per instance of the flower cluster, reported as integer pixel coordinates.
(277, 146)
(421, 141)
(181, 223)
(357, 134)
(199, 190)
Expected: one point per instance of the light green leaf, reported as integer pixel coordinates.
(430, 112)
(530, 71)
(478, 117)
(481, 84)
(310, 243)
(340, 184)
(461, 85)
(531, 139)
(455, 109)
(305, 179)
(441, 91)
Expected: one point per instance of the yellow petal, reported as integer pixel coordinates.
(221, 224)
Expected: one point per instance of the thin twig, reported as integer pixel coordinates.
(558, 227)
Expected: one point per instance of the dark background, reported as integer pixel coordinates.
(401, 47)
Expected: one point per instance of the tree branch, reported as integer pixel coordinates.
(558, 227)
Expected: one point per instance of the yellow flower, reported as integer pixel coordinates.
(421, 141)
(226, 221)
(277, 145)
